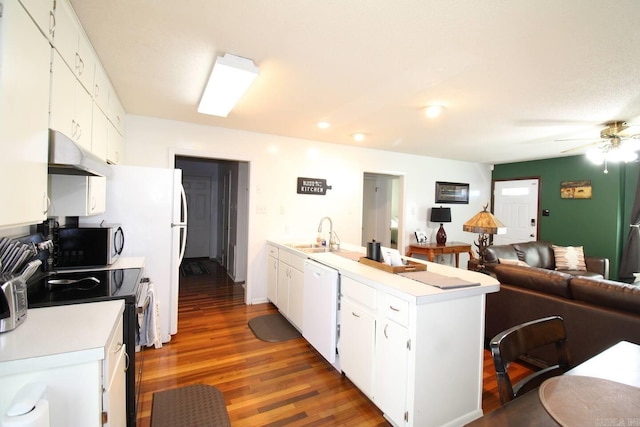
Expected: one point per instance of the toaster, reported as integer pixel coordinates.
(13, 298)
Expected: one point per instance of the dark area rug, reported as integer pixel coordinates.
(273, 328)
(193, 268)
(197, 405)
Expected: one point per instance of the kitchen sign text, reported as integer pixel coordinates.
(313, 186)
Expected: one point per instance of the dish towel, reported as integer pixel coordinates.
(150, 322)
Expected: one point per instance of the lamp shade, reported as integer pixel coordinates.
(484, 223)
(440, 215)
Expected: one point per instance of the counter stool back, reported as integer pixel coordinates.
(509, 345)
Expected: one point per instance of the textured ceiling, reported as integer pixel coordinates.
(514, 76)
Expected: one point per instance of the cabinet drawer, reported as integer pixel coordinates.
(394, 308)
(359, 292)
(112, 350)
(272, 250)
(297, 262)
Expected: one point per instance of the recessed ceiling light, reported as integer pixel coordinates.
(359, 137)
(433, 111)
(324, 125)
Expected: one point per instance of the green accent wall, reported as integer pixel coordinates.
(600, 224)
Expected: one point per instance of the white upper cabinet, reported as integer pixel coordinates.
(41, 11)
(72, 44)
(24, 115)
(71, 105)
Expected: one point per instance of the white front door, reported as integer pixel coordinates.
(198, 192)
(515, 203)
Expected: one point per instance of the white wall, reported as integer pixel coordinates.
(276, 211)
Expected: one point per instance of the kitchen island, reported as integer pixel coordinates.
(415, 350)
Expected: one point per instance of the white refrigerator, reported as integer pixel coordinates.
(150, 205)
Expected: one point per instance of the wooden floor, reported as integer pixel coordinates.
(264, 384)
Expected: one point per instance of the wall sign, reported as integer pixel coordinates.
(315, 186)
(575, 189)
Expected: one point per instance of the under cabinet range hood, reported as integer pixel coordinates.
(68, 158)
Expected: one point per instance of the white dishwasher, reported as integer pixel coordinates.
(320, 309)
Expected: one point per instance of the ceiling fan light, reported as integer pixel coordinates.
(596, 156)
(631, 157)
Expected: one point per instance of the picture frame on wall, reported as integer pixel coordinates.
(452, 192)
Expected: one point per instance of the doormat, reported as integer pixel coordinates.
(197, 405)
(193, 268)
(273, 328)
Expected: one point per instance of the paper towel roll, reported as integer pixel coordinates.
(38, 417)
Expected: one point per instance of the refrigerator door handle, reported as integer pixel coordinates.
(182, 224)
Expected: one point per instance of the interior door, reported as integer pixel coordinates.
(198, 191)
(516, 205)
(226, 222)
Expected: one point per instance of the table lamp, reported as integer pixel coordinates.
(441, 215)
(485, 224)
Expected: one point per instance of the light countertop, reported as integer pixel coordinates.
(59, 336)
(402, 287)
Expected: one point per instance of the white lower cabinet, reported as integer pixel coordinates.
(420, 363)
(356, 345)
(289, 293)
(390, 369)
(84, 373)
(374, 348)
(272, 274)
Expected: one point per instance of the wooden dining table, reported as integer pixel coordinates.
(619, 363)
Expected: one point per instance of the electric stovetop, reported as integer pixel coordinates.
(64, 287)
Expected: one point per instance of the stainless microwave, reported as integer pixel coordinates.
(88, 246)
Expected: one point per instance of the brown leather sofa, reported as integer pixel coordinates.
(597, 312)
(540, 254)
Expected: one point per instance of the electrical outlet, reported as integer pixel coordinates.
(261, 209)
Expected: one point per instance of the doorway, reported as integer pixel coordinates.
(515, 203)
(381, 209)
(218, 216)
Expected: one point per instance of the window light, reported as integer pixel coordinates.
(231, 77)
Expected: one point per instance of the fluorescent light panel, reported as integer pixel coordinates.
(231, 77)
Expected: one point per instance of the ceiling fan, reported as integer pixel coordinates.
(615, 145)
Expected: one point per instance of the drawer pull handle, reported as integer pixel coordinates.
(394, 308)
(355, 314)
(385, 331)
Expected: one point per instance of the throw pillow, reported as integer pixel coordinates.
(569, 258)
(512, 262)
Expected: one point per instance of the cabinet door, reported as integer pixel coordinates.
(356, 345)
(63, 100)
(42, 13)
(65, 37)
(24, 85)
(284, 271)
(83, 117)
(99, 133)
(114, 395)
(272, 279)
(115, 147)
(97, 201)
(391, 364)
(73, 195)
(296, 297)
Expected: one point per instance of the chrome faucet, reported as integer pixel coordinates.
(328, 248)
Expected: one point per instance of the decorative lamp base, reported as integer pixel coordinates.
(441, 236)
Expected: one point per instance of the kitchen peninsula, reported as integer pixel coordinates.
(415, 350)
